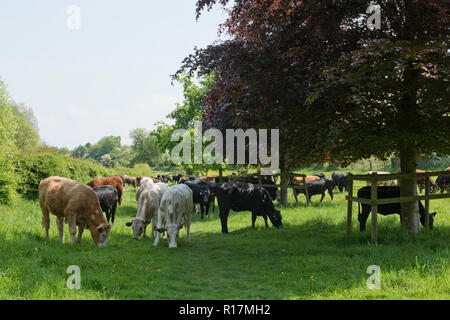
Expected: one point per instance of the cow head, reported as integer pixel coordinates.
(100, 234)
(276, 219)
(138, 225)
(173, 232)
(204, 194)
(431, 217)
(273, 214)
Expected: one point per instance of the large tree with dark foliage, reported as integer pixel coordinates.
(334, 87)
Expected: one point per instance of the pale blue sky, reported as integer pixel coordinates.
(107, 78)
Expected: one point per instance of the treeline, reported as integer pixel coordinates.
(18, 125)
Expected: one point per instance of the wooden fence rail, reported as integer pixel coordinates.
(375, 202)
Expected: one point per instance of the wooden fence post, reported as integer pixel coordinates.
(427, 202)
(374, 198)
(349, 205)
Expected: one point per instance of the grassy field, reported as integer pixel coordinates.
(310, 258)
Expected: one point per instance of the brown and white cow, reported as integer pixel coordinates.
(69, 199)
(148, 206)
(116, 182)
(144, 182)
(175, 211)
(129, 180)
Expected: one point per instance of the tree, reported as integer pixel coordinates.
(391, 94)
(106, 145)
(269, 73)
(8, 123)
(26, 136)
(144, 148)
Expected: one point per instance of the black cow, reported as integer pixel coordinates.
(245, 197)
(386, 192)
(108, 197)
(265, 180)
(163, 178)
(443, 182)
(340, 181)
(316, 187)
(177, 178)
(202, 195)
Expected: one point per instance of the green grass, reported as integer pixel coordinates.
(310, 258)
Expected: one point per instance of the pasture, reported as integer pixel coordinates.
(310, 258)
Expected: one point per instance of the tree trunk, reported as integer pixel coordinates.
(408, 188)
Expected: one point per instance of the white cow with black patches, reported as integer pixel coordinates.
(175, 211)
(148, 206)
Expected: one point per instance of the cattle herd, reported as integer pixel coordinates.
(169, 208)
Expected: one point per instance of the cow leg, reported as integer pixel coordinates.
(202, 209)
(362, 217)
(80, 233)
(323, 196)
(265, 220)
(295, 194)
(224, 219)
(60, 226)
(145, 231)
(187, 223)
(113, 211)
(253, 220)
(45, 221)
(72, 222)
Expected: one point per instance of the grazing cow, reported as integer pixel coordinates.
(386, 192)
(202, 195)
(116, 182)
(316, 187)
(108, 197)
(163, 178)
(443, 183)
(78, 203)
(129, 180)
(340, 181)
(245, 197)
(175, 211)
(148, 206)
